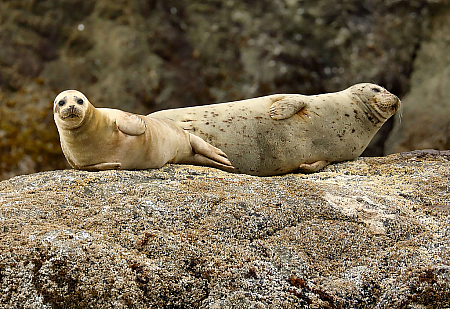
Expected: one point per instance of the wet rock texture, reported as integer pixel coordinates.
(143, 56)
(370, 233)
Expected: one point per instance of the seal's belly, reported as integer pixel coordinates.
(255, 144)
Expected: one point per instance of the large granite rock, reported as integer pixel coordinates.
(143, 56)
(370, 233)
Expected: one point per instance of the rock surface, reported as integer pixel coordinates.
(143, 56)
(370, 233)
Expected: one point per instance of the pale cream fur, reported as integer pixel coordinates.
(284, 133)
(102, 138)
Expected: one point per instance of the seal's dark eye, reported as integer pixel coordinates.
(80, 101)
(376, 89)
(61, 103)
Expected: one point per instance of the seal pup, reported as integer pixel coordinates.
(285, 133)
(101, 138)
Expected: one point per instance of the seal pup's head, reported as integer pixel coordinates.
(70, 108)
(376, 101)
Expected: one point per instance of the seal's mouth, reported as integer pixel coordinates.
(386, 106)
(70, 116)
(379, 109)
(70, 113)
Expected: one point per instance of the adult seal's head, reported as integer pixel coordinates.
(70, 109)
(378, 103)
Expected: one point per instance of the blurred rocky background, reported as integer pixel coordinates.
(143, 56)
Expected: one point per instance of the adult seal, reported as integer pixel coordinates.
(284, 133)
(101, 138)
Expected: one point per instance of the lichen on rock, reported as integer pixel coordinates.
(369, 233)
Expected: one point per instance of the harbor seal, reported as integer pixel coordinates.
(101, 138)
(283, 133)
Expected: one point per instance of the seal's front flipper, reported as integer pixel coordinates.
(312, 167)
(101, 166)
(286, 107)
(206, 154)
(131, 124)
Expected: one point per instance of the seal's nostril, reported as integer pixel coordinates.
(72, 106)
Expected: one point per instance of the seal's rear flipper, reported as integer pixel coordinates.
(286, 107)
(206, 154)
(101, 166)
(186, 125)
(312, 167)
(199, 159)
